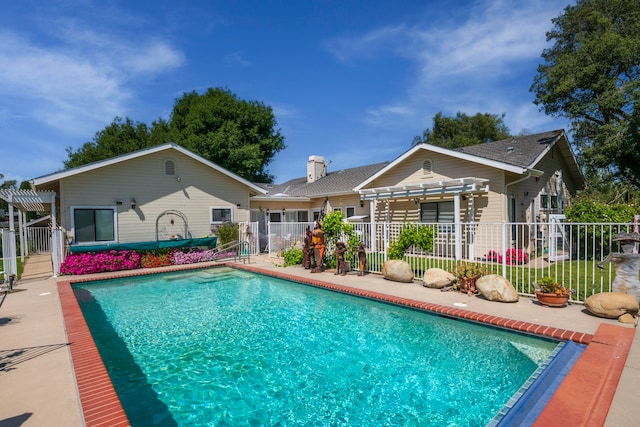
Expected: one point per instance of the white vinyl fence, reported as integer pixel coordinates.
(520, 252)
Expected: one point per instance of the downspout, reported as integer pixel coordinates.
(504, 229)
(517, 181)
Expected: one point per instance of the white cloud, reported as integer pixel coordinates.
(79, 85)
(467, 62)
(236, 59)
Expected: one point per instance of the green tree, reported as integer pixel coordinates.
(236, 134)
(590, 76)
(463, 130)
(120, 137)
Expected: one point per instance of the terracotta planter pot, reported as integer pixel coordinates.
(468, 285)
(552, 300)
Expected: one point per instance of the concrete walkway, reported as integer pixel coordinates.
(37, 381)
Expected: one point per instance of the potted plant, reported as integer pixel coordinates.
(551, 293)
(467, 273)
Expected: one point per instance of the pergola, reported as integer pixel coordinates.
(26, 201)
(456, 187)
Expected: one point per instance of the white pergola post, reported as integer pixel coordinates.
(457, 226)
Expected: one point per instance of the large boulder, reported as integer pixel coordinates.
(611, 305)
(496, 288)
(437, 278)
(397, 270)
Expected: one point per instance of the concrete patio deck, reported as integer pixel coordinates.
(38, 380)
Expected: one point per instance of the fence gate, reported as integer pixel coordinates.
(557, 238)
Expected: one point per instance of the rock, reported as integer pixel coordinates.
(611, 305)
(437, 278)
(627, 318)
(397, 270)
(496, 288)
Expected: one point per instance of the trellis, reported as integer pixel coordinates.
(28, 201)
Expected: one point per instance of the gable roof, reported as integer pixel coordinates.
(334, 183)
(519, 155)
(141, 153)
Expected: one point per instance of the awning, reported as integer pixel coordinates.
(28, 200)
(426, 188)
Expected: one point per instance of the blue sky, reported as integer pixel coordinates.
(353, 81)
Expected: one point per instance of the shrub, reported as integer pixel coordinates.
(293, 256)
(98, 262)
(193, 256)
(152, 260)
(421, 236)
(226, 232)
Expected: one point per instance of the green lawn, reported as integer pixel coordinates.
(582, 276)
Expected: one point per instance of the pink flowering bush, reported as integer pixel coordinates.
(192, 257)
(98, 262)
(513, 256)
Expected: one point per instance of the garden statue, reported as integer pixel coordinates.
(341, 248)
(627, 264)
(362, 259)
(317, 241)
(307, 250)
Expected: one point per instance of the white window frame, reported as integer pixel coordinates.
(87, 207)
(346, 211)
(212, 208)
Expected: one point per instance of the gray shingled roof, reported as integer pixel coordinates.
(338, 182)
(522, 151)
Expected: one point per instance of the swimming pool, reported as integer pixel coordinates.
(226, 347)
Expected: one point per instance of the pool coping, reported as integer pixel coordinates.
(584, 396)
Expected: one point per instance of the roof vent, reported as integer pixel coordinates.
(509, 149)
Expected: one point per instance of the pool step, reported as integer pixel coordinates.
(524, 408)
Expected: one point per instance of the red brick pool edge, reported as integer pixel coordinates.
(584, 397)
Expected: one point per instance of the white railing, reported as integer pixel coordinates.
(520, 252)
(38, 240)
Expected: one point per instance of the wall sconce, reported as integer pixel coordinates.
(283, 210)
(416, 200)
(464, 197)
(526, 193)
(178, 178)
(361, 203)
(133, 203)
(238, 205)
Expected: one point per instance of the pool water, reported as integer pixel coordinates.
(223, 347)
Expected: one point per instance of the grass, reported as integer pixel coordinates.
(582, 276)
(20, 267)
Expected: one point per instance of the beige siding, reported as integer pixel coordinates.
(488, 207)
(143, 179)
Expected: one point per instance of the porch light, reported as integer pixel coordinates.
(133, 203)
(416, 200)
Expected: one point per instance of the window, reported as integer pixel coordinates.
(94, 224)
(296, 216)
(438, 212)
(554, 202)
(220, 215)
(351, 211)
(169, 168)
(427, 167)
(544, 201)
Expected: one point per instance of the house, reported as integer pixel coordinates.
(526, 179)
(157, 193)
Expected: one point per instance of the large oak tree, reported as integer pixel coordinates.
(590, 75)
(463, 130)
(236, 134)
